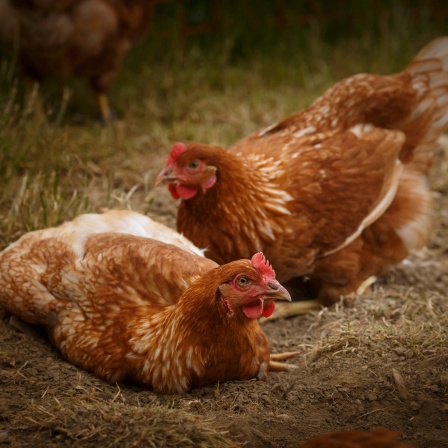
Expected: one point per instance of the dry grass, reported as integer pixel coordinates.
(407, 323)
(53, 420)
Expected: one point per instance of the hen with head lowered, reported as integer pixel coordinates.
(128, 307)
(335, 194)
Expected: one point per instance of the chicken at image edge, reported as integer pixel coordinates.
(375, 438)
(334, 195)
(128, 307)
(87, 38)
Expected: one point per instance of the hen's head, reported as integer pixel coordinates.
(189, 169)
(252, 288)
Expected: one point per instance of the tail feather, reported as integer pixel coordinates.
(424, 126)
(436, 49)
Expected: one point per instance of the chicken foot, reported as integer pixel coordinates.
(284, 310)
(103, 106)
(275, 365)
(365, 285)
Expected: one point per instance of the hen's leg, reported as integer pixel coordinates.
(274, 365)
(103, 105)
(284, 310)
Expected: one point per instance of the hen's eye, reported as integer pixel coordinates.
(193, 165)
(243, 281)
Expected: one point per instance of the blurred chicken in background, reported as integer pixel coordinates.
(88, 38)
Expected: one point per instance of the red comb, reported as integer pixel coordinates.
(259, 262)
(176, 150)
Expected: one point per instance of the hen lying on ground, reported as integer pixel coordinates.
(87, 38)
(376, 438)
(335, 194)
(128, 307)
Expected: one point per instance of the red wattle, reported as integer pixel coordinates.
(173, 191)
(186, 192)
(269, 309)
(253, 311)
(182, 191)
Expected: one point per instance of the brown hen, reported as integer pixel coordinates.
(376, 438)
(87, 38)
(333, 195)
(127, 307)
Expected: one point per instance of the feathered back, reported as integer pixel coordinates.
(46, 267)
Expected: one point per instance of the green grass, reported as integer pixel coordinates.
(224, 86)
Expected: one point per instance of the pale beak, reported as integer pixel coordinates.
(277, 292)
(165, 176)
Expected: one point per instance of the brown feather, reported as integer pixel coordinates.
(375, 438)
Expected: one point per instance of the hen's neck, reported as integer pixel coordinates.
(178, 346)
(242, 212)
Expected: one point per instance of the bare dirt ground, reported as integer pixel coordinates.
(379, 360)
